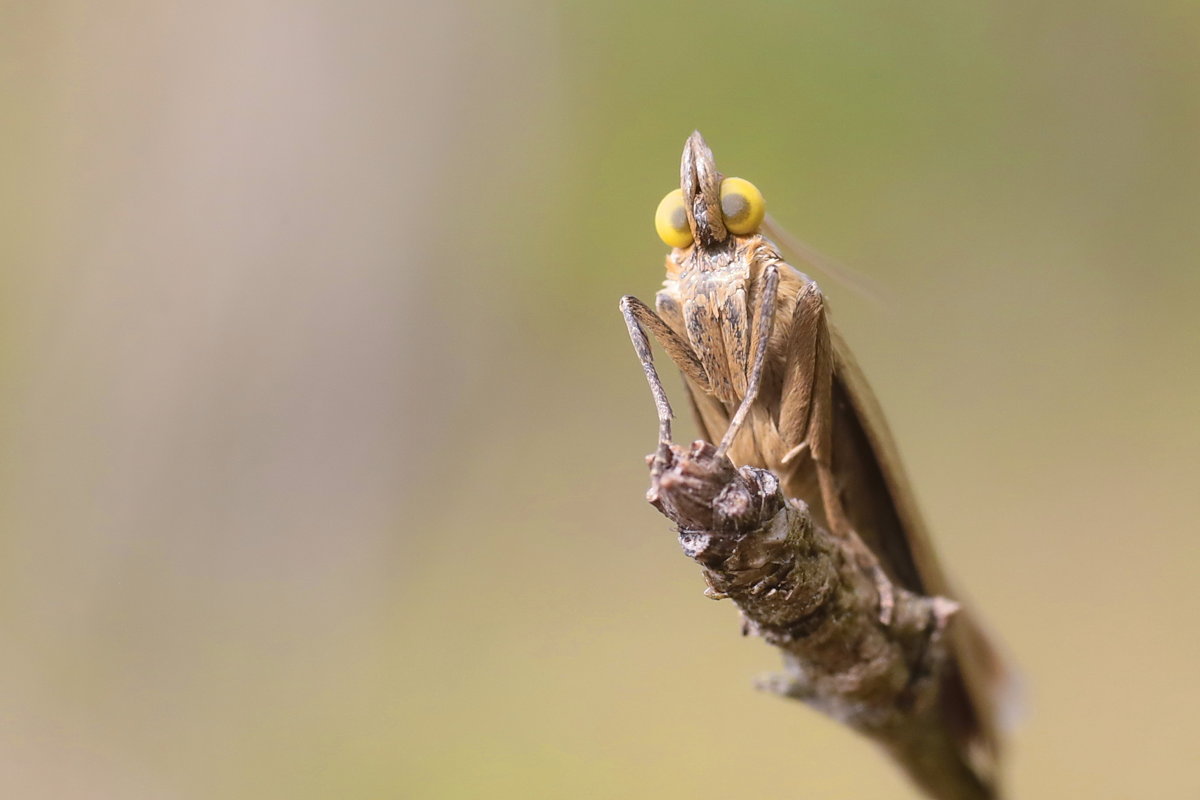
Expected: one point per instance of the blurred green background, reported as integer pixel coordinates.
(321, 466)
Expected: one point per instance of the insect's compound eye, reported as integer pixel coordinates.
(671, 222)
(742, 205)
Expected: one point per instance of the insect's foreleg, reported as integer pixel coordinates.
(639, 318)
(768, 288)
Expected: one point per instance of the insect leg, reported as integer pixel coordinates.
(806, 423)
(639, 318)
(766, 316)
(807, 375)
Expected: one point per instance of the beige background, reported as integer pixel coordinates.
(321, 437)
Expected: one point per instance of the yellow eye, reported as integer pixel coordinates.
(671, 222)
(743, 206)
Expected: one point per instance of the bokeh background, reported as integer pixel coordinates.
(321, 438)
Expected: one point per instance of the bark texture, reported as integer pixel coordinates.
(806, 592)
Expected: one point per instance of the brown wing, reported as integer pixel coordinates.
(711, 418)
(871, 476)
(882, 508)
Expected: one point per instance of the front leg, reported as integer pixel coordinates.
(639, 318)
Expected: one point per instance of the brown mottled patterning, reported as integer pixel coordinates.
(800, 407)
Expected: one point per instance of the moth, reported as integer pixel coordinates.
(771, 380)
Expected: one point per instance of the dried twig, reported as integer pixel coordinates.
(805, 592)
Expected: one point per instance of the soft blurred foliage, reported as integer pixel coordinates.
(322, 438)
